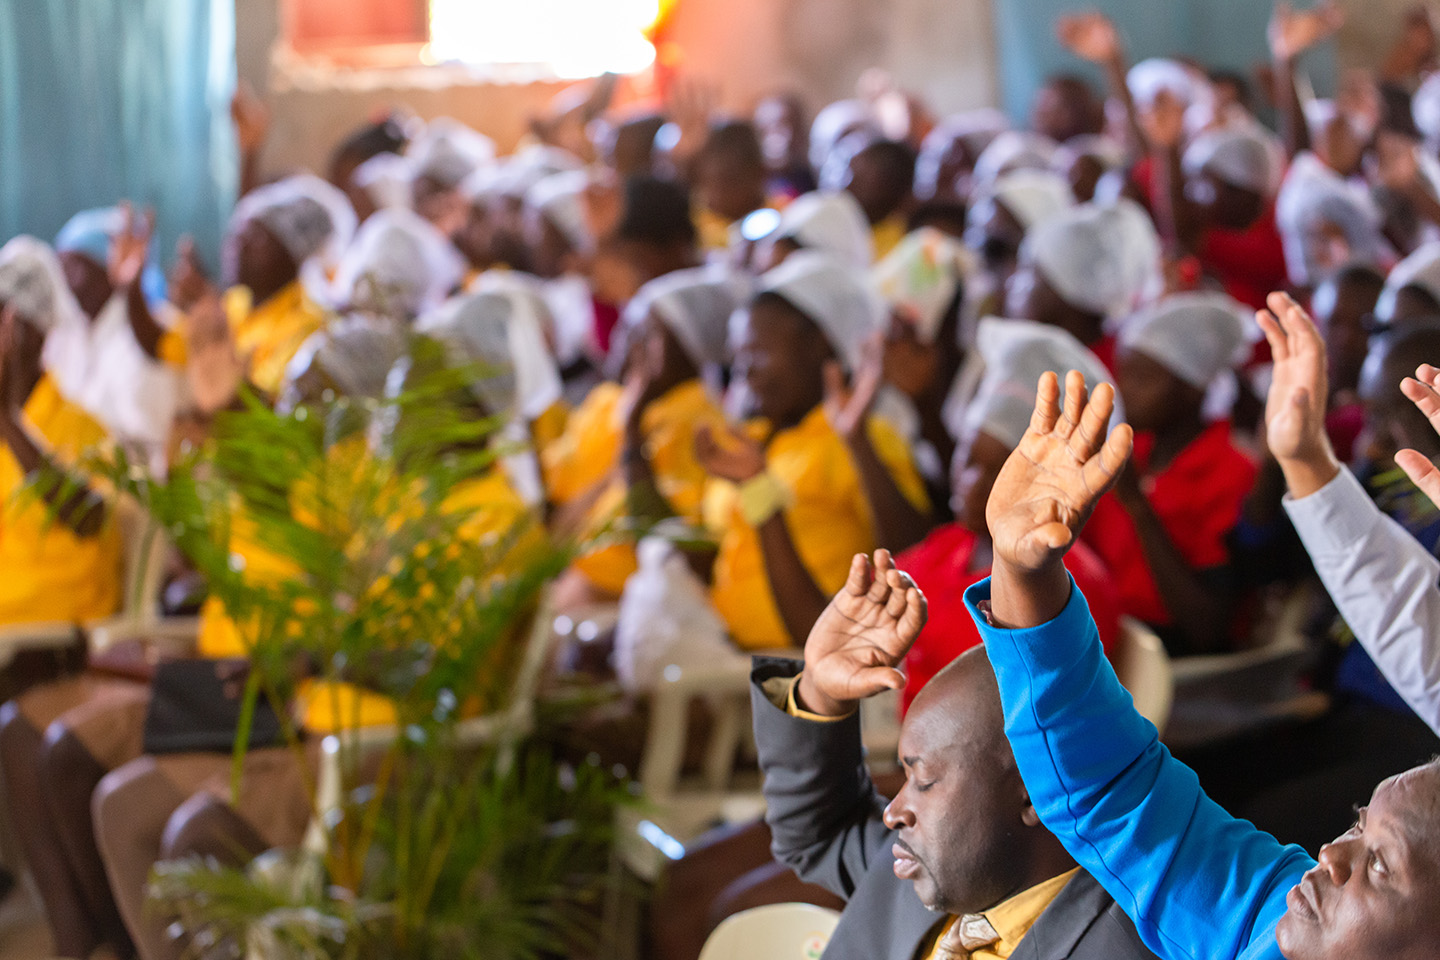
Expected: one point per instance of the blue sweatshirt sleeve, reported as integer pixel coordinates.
(1199, 884)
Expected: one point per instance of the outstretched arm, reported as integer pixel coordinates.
(1383, 581)
(1197, 882)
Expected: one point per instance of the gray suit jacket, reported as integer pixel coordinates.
(825, 819)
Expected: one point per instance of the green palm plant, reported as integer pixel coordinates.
(390, 567)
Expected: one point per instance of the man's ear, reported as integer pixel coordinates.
(1028, 816)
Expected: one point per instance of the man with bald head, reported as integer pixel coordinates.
(957, 866)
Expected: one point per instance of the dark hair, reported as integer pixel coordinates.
(656, 212)
(371, 140)
(933, 213)
(1236, 80)
(736, 141)
(896, 160)
(1360, 274)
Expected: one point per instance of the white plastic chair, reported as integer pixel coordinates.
(1144, 668)
(505, 728)
(780, 931)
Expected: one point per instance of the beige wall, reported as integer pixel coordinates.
(940, 48)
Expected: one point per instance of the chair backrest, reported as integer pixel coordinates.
(1144, 668)
(145, 552)
(780, 931)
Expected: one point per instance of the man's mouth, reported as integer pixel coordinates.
(1304, 900)
(907, 865)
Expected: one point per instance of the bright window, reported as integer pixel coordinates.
(569, 38)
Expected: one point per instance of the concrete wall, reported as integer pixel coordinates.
(941, 48)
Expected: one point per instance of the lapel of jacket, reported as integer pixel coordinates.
(1059, 929)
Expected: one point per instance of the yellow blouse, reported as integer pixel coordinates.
(49, 573)
(829, 520)
(886, 235)
(588, 455)
(270, 334)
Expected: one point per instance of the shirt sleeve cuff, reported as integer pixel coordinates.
(1335, 517)
(781, 692)
(1039, 643)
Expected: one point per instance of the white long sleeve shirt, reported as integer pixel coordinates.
(1384, 583)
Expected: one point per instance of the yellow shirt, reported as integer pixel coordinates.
(1013, 918)
(270, 334)
(49, 573)
(886, 235)
(712, 229)
(588, 456)
(828, 517)
(493, 511)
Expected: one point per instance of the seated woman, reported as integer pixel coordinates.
(791, 499)
(63, 570)
(627, 457)
(1002, 213)
(140, 807)
(957, 555)
(1164, 530)
(274, 235)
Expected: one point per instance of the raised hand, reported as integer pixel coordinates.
(1090, 36)
(1295, 406)
(251, 118)
(855, 648)
(734, 457)
(1051, 483)
(130, 247)
(1424, 391)
(848, 405)
(188, 282)
(1292, 32)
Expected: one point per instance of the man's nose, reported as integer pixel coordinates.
(898, 813)
(1335, 860)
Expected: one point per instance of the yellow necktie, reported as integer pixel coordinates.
(966, 935)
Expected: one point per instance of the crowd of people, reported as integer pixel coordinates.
(734, 352)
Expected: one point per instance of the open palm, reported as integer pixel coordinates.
(1295, 406)
(1051, 483)
(855, 648)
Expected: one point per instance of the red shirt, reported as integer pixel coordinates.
(1198, 499)
(1249, 263)
(940, 566)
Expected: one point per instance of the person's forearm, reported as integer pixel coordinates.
(899, 524)
(1116, 80)
(249, 171)
(798, 597)
(1200, 614)
(1293, 128)
(142, 322)
(643, 500)
(1383, 582)
(74, 504)
(1196, 881)
(1020, 599)
(1178, 220)
(1308, 475)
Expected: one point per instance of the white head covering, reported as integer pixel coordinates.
(921, 276)
(399, 266)
(977, 128)
(560, 198)
(1420, 269)
(1312, 197)
(1149, 78)
(1031, 196)
(386, 177)
(1110, 152)
(355, 352)
(1014, 150)
(1238, 157)
(1196, 336)
(311, 219)
(448, 151)
(830, 222)
(513, 176)
(695, 305)
(504, 331)
(1099, 257)
(1015, 354)
(1425, 108)
(833, 295)
(832, 123)
(32, 282)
